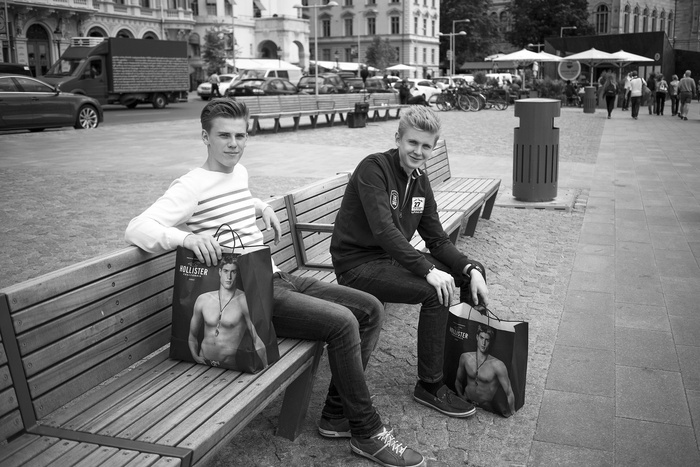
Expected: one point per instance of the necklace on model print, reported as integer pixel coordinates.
(221, 312)
(479, 365)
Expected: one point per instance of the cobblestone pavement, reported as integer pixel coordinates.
(73, 203)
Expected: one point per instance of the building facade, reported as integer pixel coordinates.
(411, 27)
(35, 32)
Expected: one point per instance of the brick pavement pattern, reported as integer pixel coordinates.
(610, 288)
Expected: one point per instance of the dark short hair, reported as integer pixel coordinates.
(224, 108)
(227, 258)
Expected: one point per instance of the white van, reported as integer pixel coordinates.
(266, 68)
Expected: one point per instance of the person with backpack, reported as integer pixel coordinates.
(636, 90)
(661, 92)
(651, 97)
(610, 92)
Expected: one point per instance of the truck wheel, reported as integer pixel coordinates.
(159, 101)
(87, 118)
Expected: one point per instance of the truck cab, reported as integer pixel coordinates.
(80, 71)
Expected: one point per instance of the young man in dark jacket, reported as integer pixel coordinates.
(388, 198)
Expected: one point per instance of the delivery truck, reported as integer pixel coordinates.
(123, 71)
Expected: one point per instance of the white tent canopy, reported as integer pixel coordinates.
(623, 56)
(545, 57)
(593, 57)
(523, 55)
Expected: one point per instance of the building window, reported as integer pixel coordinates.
(432, 28)
(653, 20)
(601, 20)
(398, 55)
(395, 28)
(211, 7)
(415, 25)
(670, 24)
(348, 55)
(433, 3)
(432, 56)
(425, 55)
(626, 22)
(348, 26)
(228, 8)
(415, 55)
(662, 22)
(504, 21)
(194, 6)
(371, 26)
(348, 2)
(147, 4)
(325, 28)
(326, 54)
(371, 2)
(425, 27)
(635, 20)
(645, 20)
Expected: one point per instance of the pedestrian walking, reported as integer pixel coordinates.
(626, 98)
(636, 88)
(651, 99)
(661, 92)
(610, 92)
(214, 81)
(673, 94)
(687, 89)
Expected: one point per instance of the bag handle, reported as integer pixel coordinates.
(484, 311)
(233, 233)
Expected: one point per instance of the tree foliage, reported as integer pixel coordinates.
(533, 20)
(482, 29)
(214, 50)
(380, 53)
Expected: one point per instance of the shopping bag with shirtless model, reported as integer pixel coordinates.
(486, 358)
(222, 314)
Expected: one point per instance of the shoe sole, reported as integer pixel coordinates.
(362, 453)
(334, 434)
(451, 414)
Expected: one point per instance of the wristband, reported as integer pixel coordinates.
(474, 266)
(429, 270)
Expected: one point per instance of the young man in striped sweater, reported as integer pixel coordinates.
(348, 320)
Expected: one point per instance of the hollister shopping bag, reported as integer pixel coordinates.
(486, 359)
(222, 315)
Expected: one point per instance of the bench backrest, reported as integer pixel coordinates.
(317, 203)
(81, 325)
(290, 104)
(307, 102)
(269, 104)
(438, 164)
(251, 102)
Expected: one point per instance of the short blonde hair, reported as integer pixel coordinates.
(421, 118)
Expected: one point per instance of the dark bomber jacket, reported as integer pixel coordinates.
(378, 216)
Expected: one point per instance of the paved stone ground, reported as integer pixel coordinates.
(610, 288)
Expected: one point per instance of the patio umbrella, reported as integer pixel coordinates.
(521, 56)
(545, 57)
(593, 57)
(625, 58)
(401, 67)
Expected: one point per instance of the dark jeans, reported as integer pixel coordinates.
(349, 321)
(660, 102)
(626, 102)
(636, 103)
(674, 105)
(391, 282)
(610, 103)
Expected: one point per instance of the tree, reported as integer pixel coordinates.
(380, 53)
(214, 50)
(482, 29)
(533, 20)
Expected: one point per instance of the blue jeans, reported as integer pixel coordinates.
(349, 321)
(387, 280)
(636, 103)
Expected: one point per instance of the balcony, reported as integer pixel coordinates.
(74, 5)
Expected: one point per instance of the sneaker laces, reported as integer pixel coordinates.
(390, 442)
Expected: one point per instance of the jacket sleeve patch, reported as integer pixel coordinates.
(417, 205)
(394, 199)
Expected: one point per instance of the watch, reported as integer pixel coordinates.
(474, 266)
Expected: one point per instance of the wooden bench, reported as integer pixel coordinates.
(87, 351)
(449, 189)
(307, 105)
(312, 211)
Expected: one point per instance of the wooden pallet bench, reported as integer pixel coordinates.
(451, 188)
(87, 363)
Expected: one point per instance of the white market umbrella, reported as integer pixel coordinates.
(522, 56)
(593, 57)
(629, 57)
(545, 57)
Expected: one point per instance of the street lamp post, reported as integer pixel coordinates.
(454, 44)
(359, 29)
(561, 30)
(451, 36)
(315, 8)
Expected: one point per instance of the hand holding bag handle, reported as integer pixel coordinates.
(233, 233)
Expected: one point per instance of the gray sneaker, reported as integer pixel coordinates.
(334, 428)
(445, 401)
(386, 450)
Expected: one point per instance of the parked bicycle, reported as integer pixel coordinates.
(450, 99)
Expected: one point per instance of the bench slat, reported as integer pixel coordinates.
(35, 447)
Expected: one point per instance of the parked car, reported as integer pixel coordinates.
(328, 83)
(423, 87)
(204, 89)
(372, 85)
(15, 69)
(261, 86)
(29, 104)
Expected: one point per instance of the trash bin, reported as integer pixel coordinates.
(536, 150)
(358, 118)
(589, 100)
